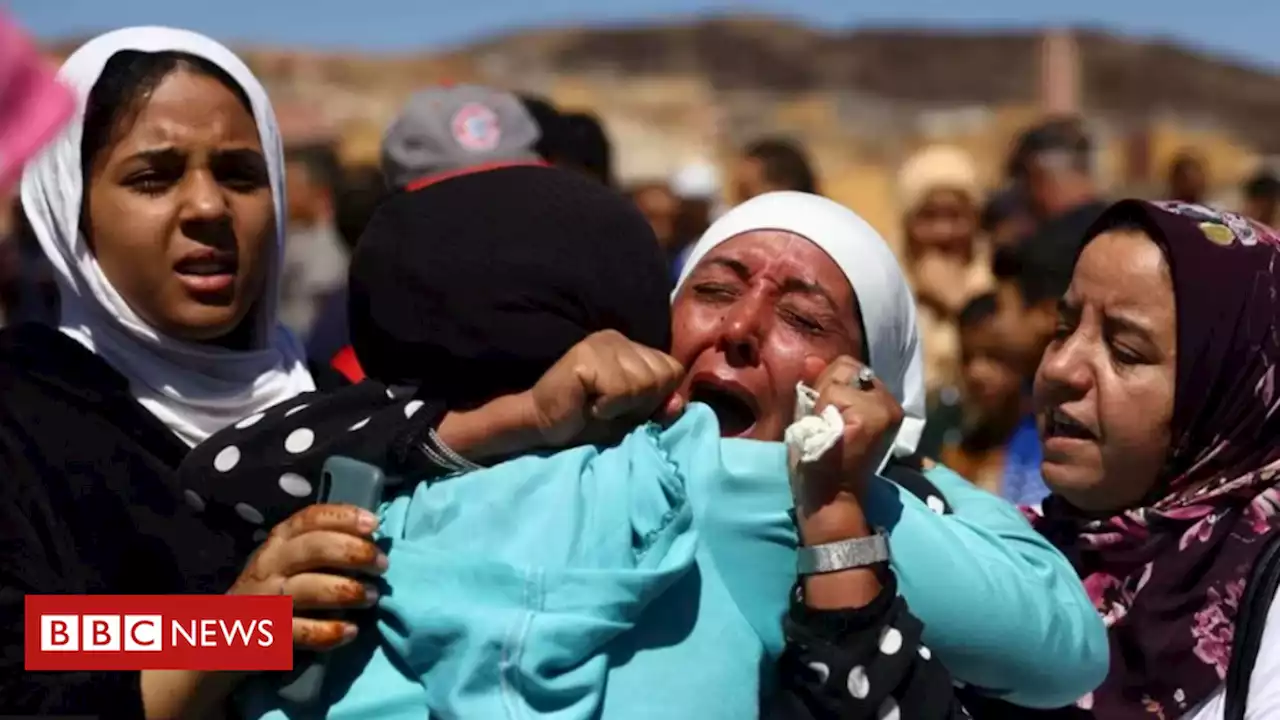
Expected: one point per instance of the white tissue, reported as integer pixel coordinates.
(811, 435)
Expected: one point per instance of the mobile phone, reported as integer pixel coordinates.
(349, 482)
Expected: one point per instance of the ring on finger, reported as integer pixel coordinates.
(866, 378)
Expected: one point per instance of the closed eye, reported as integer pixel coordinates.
(715, 291)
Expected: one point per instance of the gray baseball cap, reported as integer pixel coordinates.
(445, 129)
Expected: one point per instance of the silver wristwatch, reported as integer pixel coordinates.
(843, 555)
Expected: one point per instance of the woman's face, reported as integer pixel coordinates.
(180, 213)
(747, 318)
(1105, 386)
(945, 223)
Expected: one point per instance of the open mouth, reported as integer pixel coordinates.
(732, 406)
(208, 272)
(1059, 424)
(207, 265)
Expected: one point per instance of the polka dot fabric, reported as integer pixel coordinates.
(864, 663)
(868, 662)
(256, 473)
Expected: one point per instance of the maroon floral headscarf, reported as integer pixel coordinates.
(1168, 577)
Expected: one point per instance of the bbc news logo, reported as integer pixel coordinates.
(158, 632)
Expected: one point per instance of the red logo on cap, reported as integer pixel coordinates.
(476, 128)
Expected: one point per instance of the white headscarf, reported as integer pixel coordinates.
(888, 307)
(194, 389)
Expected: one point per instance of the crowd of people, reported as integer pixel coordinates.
(704, 447)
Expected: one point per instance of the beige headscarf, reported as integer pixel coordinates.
(933, 168)
(939, 167)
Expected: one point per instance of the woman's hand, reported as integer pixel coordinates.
(828, 491)
(299, 559)
(603, 384)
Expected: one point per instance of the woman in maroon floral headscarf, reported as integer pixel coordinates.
(1157, 403)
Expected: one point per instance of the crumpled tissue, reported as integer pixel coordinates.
(812, 435)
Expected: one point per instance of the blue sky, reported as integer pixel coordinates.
(1248, 29)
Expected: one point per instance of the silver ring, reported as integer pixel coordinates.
(866, 378)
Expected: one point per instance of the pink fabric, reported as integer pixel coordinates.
(33, 104)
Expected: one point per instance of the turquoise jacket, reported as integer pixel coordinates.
(659, 569)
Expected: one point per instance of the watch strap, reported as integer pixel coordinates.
(842, 555)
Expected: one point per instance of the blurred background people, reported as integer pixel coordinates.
(946, 263)
(699, 188)
(1188, 181)
(315, 257)
(1006, 216)
(772, 163)
(661, 208)
(1262, 197)
(1054, 162)
(992, 388)
(362, 189)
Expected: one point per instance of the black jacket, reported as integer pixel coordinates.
(90, 505)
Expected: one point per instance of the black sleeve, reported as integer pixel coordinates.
(863, 663)
(37, 556)
(249, 477)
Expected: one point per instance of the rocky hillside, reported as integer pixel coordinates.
(1123, 79)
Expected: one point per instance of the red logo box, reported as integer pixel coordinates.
(158, 632)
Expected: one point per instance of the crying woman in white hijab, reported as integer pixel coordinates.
(792, 292)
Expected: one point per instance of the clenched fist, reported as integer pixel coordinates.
(605, 385)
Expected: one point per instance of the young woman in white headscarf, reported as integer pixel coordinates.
(160, 206)
(787, 289)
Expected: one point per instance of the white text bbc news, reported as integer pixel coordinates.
(144, 633)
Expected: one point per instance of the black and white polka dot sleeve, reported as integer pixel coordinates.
(249, 477)
(867, 662)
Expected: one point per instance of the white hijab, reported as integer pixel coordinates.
(888, 307)
(193, 389)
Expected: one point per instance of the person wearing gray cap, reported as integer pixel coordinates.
(441, 131)
(447, 129)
